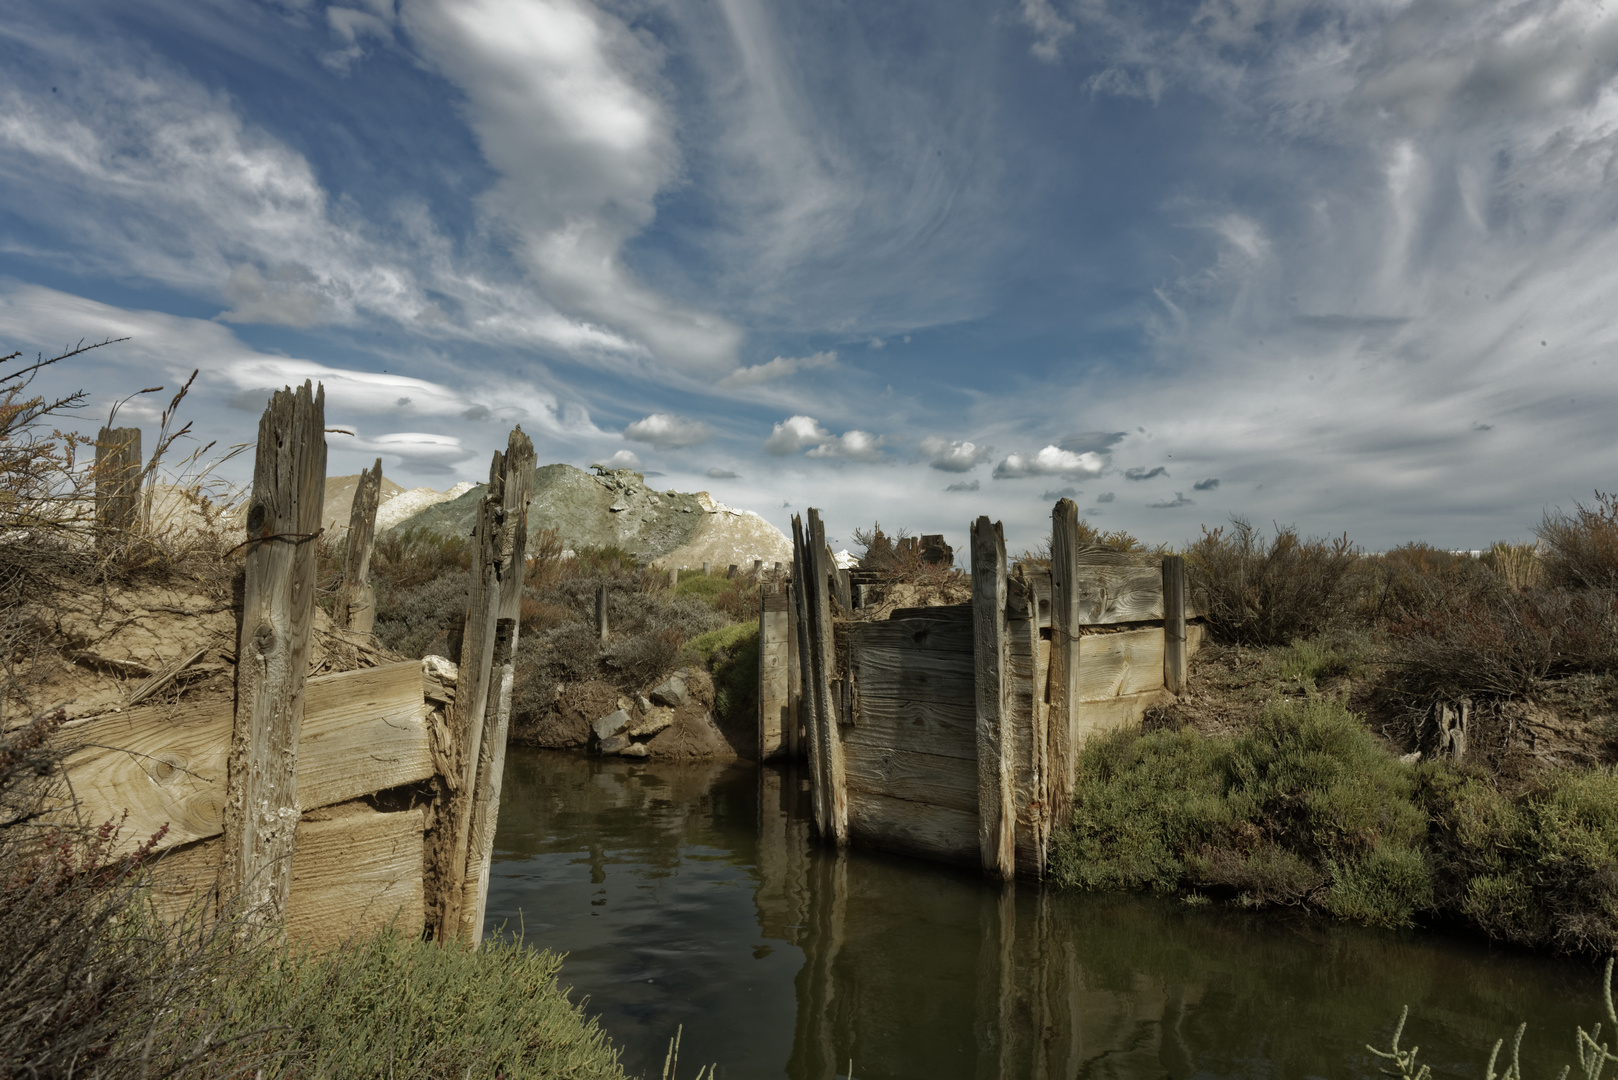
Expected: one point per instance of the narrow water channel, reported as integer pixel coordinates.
(694, 897)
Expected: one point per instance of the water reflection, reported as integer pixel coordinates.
(694, 897)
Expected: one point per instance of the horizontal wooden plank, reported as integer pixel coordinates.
(1096, 717)
(1113, 594)
(1194, 634)
(353, 874)
(363, 731)
(1100, 556)
(911, 672)
(929, 832)
(934, 613)
(1117, 665)
(946, 728)
(933, 779)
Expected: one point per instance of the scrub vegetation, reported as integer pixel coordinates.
(1412, 737)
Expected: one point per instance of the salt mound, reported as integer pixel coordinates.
(407, 504)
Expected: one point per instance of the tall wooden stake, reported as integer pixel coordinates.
(519, 486)
(601, 612)
(822, 645)
(803, 593)
(997, 809)
(1062, 725)
(117, 473)
(1174, 655)
(356, 601)
(272, 655)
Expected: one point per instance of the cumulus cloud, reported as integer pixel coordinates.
(1060, 493)
(1206, 485)
(964, 485)
(1051, 461)
(1093, 442)
(1105, 497)
(666, 431)
(722, 474)
(793, 434)
(779, 368)
(953, 456)
(1169, 504)
(1143, 473)
(855, 445)
(623, 459)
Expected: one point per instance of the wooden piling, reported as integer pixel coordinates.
(774, 675)
(601, 612)
(519, 485)
(117, 475)
(1063, 684)
(356, 601)
(730, 572)
(795, 710)
(997, 812)
(674, 577)
(278, 604)
(845, 588)
(809, 708)
(1174, 650)
(821, 634)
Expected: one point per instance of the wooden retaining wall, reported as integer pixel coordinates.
(956, 729)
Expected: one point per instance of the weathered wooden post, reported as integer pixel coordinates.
(730, 573)
(1174, 652)
(117, 475)
(272, 655)
(822, 646)
(1062, 723)
(758, 565)
(519, 485)
(997, 810)
(845, 587)
(705, 568)
(356, 601)
(601, 612)
(674, 577)
(774, 676)
(795, 709)
(809, 708)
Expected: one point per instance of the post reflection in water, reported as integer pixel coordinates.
(694, 896)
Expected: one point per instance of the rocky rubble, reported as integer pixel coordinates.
(672, 722)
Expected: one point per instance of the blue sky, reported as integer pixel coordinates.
(1349, 265)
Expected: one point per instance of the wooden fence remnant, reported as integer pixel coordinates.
(815, 647)
(997, 814)
(1174, 653)
(776, 714)
(117, 476)
(355, 608)
(1064, 663)
(518, 493)
(283, 522)
(602, 631)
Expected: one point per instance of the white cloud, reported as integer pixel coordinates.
(623, 459)
(1051, 461)
(855, 445)
(779, 368)
(793, 434)
(666, 431)
(953, 456)
(422, 451)
(1049, 28)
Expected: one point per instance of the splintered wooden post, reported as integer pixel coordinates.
(356, 601)
(117, 473)
(794, 710)
(731, 572)
(822, 645)
(1062, 725)
(704, 569)
(519, 486)
(997, 811)
(1174, 655)
(845, 590)
(601, 611)
(803, 594)
(774, 678)
(674, 577)
(758, 565)
(272, 655)
(453, 834)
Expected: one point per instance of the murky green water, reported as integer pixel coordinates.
(693, 896)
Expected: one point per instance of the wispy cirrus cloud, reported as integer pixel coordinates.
(780, 368)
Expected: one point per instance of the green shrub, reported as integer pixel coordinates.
(1304, 808)
(1333, 656)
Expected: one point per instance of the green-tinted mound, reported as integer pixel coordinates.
(731, 655)
(1304, 808)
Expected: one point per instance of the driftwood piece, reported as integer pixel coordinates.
(355, 608)
(997, 817)
(278, 603)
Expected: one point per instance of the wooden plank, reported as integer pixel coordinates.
(774, 675)
(354, 872)
(1097, 717)
(997, 814)
(1063, 675)
(355, 608)
(809, 707)
(822, 642)
(917, 659)
(948, 729)
(513, 548)
(912, 828)
(1040, 582)
(272, 665)
(1194, 634)
(1117, 665)
(1029, 737)
(794, 707)
(950, 782)
(363, 731)
(1113, 594)
(1102, 556)
(1174, 653)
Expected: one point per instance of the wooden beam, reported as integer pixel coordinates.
(512, 567)
(803, 593)
(774, 675)
(794, 707)
(1063, 673)
(1174, 651)
(997, 814)
(117, 475)
(1025, 668)
(278, 606)
(821, 647)
(356, 601)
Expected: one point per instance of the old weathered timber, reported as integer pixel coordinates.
(1063, 673)
(1118, 665)
(1027, 656)
(808, 707)
(278, 603)
(820, 630)
(356, 601)
(519, 483)
(602, 631)
(452, 837)
(1174, 651)
(997, 815)
(775, 718)
(794, 713)
(117, 475)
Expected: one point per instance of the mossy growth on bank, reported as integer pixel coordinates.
(730, 655)
(1307, 808)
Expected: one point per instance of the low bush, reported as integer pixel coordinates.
(1581, 548)
(730, 655)
(1269, 592)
